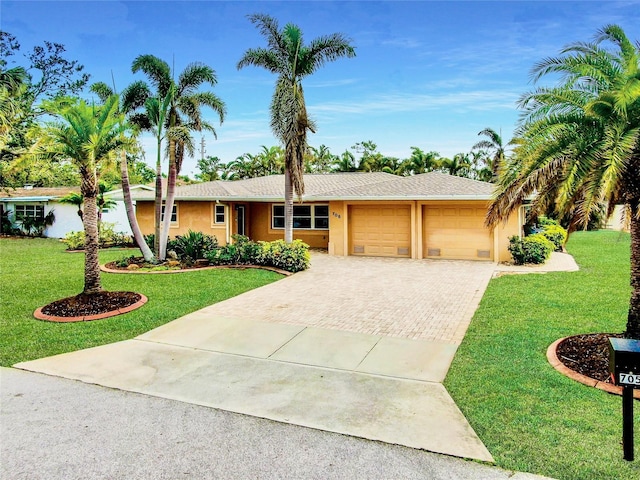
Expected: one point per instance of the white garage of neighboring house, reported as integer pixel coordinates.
(40, 201)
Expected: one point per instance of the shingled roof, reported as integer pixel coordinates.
(45, 193)
(339, 186)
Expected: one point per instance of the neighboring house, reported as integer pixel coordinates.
(433, 215)
(39, 201)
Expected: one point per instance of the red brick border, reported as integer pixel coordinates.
(555, 362)
(184, 270)
(87, 318)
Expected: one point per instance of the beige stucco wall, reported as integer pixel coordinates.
(196, 216)
(260, 228)
(503, 231)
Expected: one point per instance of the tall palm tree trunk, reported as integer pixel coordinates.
(288, 207)
(131, 215)
(158, 204)
(168, 206)
(92, 282)
(633, 320)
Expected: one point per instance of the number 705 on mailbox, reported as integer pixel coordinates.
(629, 379)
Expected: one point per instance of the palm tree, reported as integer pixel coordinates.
(458, 166)
(345, 162)
(177, 108)
(580, 142)
(132, 97)
(291, 60)
(87, 135)
(422, 162)
(494, 146)
(321, 159)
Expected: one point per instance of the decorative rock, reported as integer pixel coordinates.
(173, 263)
(172, 254)
(133, 266)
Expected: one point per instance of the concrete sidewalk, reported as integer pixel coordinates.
(373, 387)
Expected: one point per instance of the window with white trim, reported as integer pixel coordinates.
(305, 217)
(174, 213)
(29, 211)
(219, 214)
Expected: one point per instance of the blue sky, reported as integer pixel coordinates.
(427, 74)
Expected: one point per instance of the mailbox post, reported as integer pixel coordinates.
(624, 365)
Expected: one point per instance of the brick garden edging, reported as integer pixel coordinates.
(87, 318)
(555, 362)
(104, 268)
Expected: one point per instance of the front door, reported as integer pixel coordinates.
(240, 220)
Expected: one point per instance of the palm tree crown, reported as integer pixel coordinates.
(579, 145)
(291, 60)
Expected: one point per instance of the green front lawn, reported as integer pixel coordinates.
(35, 272)
(531, 417)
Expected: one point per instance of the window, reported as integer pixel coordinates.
(219, 214)
(30, 211)
(174, 213)
(305, 217)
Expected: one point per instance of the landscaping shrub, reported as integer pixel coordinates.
(292, 257)
(107, 237)
(193, 245)
(74, 240)
(556, 235)
(534, 249)
(546, 221)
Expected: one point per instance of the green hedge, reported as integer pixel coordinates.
(534, 249)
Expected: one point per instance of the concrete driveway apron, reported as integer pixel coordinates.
(353, 345)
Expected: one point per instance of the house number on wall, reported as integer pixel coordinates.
(337, 215)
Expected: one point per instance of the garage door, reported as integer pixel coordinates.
(456, 232)
(380, 230)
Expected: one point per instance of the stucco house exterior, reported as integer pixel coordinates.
(432, 215)
(39, 201)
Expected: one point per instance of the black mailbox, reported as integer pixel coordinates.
(624, 361)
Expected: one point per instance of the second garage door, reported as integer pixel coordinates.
(456, 232)
(380, 230)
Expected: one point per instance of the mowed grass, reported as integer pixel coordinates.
(35, 272)
(531, 417)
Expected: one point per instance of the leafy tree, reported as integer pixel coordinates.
(291, 60)
(44, 73)
(87, 135)
(177, 106)
(210, 168)
(580, 142)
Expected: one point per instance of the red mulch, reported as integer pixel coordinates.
(91, 304)
(587, 354)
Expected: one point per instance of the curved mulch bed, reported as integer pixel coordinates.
(590, 356)
(84, 308)
(111, 268)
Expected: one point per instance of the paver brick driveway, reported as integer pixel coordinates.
(417, 299)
